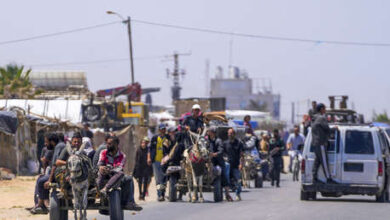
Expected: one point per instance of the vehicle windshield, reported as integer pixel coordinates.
(359, 142)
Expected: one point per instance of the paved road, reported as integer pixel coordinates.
(268, 203)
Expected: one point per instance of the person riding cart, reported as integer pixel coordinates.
(111, 164)
(193, 123)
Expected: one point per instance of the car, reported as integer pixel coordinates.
(358, 158)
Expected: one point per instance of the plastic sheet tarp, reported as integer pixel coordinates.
(8, 122)
(66, 110)
(380, 124)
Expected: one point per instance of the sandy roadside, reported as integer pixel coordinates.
(17, 194)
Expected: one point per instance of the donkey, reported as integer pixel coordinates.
(79, 166)
(195, 165)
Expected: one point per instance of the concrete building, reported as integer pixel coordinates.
(238, 90)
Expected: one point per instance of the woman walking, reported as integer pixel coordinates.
(142, 171)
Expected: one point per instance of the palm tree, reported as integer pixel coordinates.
(14, 82)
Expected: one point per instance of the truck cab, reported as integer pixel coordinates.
(135, 113)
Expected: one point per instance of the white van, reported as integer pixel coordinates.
(358, 157)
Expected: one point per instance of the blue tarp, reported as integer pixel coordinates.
(8, 122)
(380, 124)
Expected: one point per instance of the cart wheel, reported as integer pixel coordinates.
(259, 180)
(218, 190)
(116, 211)
(172, 188)
(55, 208)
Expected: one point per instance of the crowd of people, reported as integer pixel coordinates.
(107, 160)
(166, 148)
(227, 154)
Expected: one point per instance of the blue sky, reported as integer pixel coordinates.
(299, 71)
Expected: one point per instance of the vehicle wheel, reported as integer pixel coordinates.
(218, 190)
(313, 195)
(304, 196)
(387, 196)
(172, 188)
(55, 212)
(104, 212)
(381, 197)
(259, 180)
(116, 211)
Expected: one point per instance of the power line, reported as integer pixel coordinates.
(94, 61)
(58, 33)
(266, 37)
(204, 30)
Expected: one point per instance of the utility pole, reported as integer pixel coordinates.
(176, 73)
(207, 77)
(298, 110)
(292, 113)
(128, 21)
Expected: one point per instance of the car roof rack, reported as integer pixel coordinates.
(351, 124)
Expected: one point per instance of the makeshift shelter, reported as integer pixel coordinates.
(18, 138)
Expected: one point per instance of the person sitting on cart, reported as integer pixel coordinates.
(193, 123)
(264, 144)
(247, 123)
(250, 142)
(111, 165)
(76, 142)
(41, 194)
(174, 157)
(216, 153)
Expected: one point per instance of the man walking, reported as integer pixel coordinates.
(159, 147)
(276, 148)
(216, 153)
(320, 133)
(234, 150)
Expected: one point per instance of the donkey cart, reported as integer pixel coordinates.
(179, 183)
(107, 205)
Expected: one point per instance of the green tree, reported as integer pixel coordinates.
(381, 117)
(15, 82)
